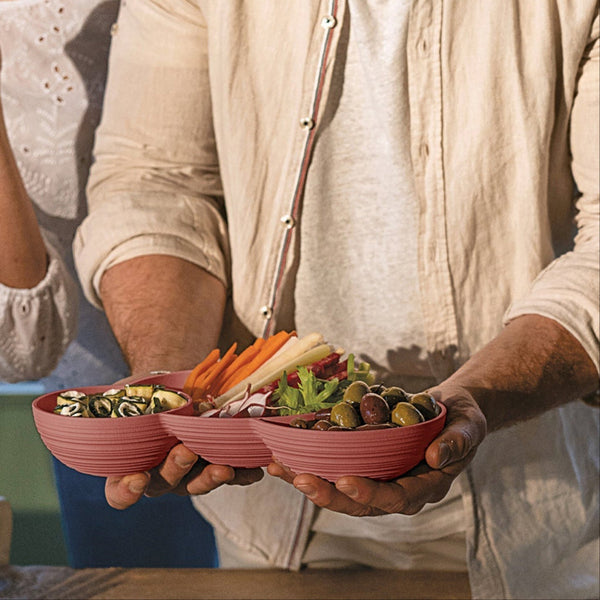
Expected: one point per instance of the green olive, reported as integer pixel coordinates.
(355, 391)
(344, 415)
(405, 413)
(425, 403)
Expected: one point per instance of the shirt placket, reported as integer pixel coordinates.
(425, 98)
(307, 124)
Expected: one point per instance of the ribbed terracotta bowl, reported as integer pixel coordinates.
(229, 441)
(382, 454)
(104, 446)
(133, 444)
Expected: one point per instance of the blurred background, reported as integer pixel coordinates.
(26, 481)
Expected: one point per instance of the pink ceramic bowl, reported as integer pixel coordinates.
(223, 441)
(378, 454)
(104, 446)
(229, 441)
(173, 380)
(133, 444)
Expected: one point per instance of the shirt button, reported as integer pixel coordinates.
(423, 47)
(424, 151)
(288, 221)
(328, 22)
(266, 312)
(114, 28)
(307, 123)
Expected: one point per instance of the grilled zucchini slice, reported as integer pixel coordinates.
(168, 399)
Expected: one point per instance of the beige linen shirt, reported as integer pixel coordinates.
(212, 110)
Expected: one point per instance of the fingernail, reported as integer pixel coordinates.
(184, 463)
(137, 487)
(349, 490)
(219, 479)
(307, 490)
(443, 454)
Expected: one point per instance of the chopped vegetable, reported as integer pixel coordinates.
(215, 376)
(311, 395)
(200, 368)
(204, 384)
(267, 349)
(118, 402)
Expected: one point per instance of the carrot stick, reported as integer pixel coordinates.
(207, 378)
(243, 359)
(269, 348)
(199, 386)
(210, 359)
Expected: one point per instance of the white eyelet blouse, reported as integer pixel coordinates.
(53, 69)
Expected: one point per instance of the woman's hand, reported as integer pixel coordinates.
(445, 458)
(182, 472)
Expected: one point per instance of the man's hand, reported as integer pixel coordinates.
(182, 472)
(533, 365)
(429, 482)
(172, 330)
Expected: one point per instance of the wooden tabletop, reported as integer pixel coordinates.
(222, 584)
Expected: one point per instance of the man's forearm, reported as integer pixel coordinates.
(532, 366)
(166, 312)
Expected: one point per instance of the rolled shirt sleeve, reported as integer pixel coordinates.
(155, 186)
(568, 289)
(37, 324)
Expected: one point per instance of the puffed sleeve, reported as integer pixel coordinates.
(568, 289)
(37, 324)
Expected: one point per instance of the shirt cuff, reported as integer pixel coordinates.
(567, 291)
(128, 226)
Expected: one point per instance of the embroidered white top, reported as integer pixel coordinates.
(54, 57)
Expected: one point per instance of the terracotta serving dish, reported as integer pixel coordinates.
(104, 446)
(133, 444)
(378, 454)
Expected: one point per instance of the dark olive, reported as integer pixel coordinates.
(322, 424)
(405, 413)
(375, 426)
(299, 422)
(377, 388)
(355, 391)
(323, 413)
(425, 403)
(340, 428)
(393, 395)
(344, 415)
(374, 409)
(354, 405)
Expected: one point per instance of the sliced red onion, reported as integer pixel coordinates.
(251, 405)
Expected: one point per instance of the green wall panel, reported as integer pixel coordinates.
(26, 481)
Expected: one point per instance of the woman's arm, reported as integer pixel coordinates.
(23, 260)
(38, 297)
